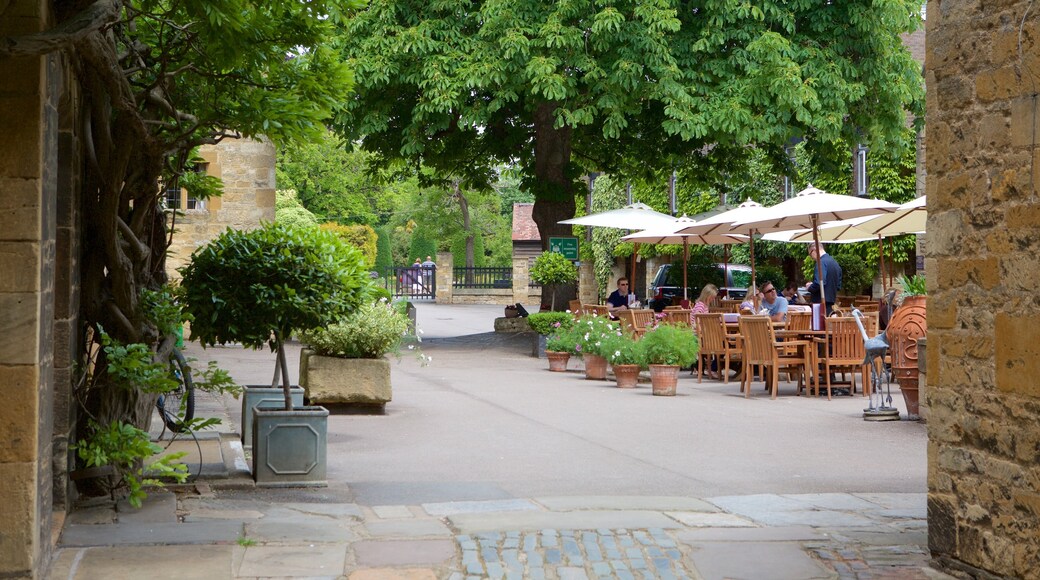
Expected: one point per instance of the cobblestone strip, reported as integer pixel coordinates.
(874, 563)
(552, 554)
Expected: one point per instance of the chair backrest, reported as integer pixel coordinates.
(644, 318)
(711, 331)
(846, 301)
(676, 307)
(678, 317)
(799, 320)
(628, 323)
(759, 341)
(872, 306)
(730, 305)
(575, 307)
(844, 340)
(595, 309)
(870, 323)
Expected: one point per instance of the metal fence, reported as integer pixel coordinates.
(415, 282)
(487, 277)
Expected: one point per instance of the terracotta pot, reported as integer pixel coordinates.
(627, 376)
(908, 324)
(663, 379)
(557, 360)
(595, 367)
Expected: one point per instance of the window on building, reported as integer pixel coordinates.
(178, 198)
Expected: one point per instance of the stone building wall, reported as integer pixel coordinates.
(246, 166)
(37, 288)
(983, 163)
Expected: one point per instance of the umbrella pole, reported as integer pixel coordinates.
(754, 283)
(881, 257)
(725, 266)
(819, 271)
(891, 271)
(685, 269)
(632, 276)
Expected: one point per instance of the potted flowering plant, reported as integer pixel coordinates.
(346, 361)
(560, 345)
(625, 355)
(591, 332)
(668, 348)
(545, 323)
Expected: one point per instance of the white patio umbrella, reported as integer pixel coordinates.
(725, 222)
(909, 218)
(811, 207)
(635, 217)
(671, 235)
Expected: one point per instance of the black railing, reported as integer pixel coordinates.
(412, 281)
(493, 277)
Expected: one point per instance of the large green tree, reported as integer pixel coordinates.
(623, 86)
(157, 79)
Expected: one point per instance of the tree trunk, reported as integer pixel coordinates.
(554, 191)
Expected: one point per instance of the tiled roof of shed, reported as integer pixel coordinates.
(524, 228)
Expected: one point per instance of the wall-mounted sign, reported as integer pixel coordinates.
(566, 246)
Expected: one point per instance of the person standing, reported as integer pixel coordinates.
(773, 304)
(429, 263)
(831, 277)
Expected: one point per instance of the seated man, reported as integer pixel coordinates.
(618, 299)
(773, 304)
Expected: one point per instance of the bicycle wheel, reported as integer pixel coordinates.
(177, 407)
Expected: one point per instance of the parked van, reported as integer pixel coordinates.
(666, 288)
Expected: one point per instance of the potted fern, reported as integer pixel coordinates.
(668, 348)
(257, 288)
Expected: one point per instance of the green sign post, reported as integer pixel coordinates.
(566, 246)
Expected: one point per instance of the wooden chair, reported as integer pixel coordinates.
(575, 307)
(843, 351)
(762, 349)
(636, 321)
(675, 307)
(730, 305)
(678, 317)
(596, 309)
(711, 331)
(799, 320)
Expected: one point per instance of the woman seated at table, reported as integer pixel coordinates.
(748, 305)
(709, 294)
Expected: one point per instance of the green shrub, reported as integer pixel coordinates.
(547, 322)
(592, 331)
(373, 330)
(623, 350)
(668, 344)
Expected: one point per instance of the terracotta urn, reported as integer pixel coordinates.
(627, 376)
(907, 325)
(595, 367)
(663, 379)
(557, 360)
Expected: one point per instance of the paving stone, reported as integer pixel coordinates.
(711, 520)
(324, 531)
(471, 523)
(403, 552)
(774, 560)
(749, 505)
(652, 503)
(211, 515)
(831, 501)
(478, 507)
(813, 518)
(158, 507)
(392, 511)
(495, 570)
(296, 560)
(147, 534)
(91, 516)
(773, 534)
(397, 574)
(571, 573)
(334, 510)
(170, 563)
(416, 528)
(896, 500)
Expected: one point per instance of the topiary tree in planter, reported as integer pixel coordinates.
(550, 269)
(259, 287)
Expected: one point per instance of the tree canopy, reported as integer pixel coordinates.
(626, 86)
